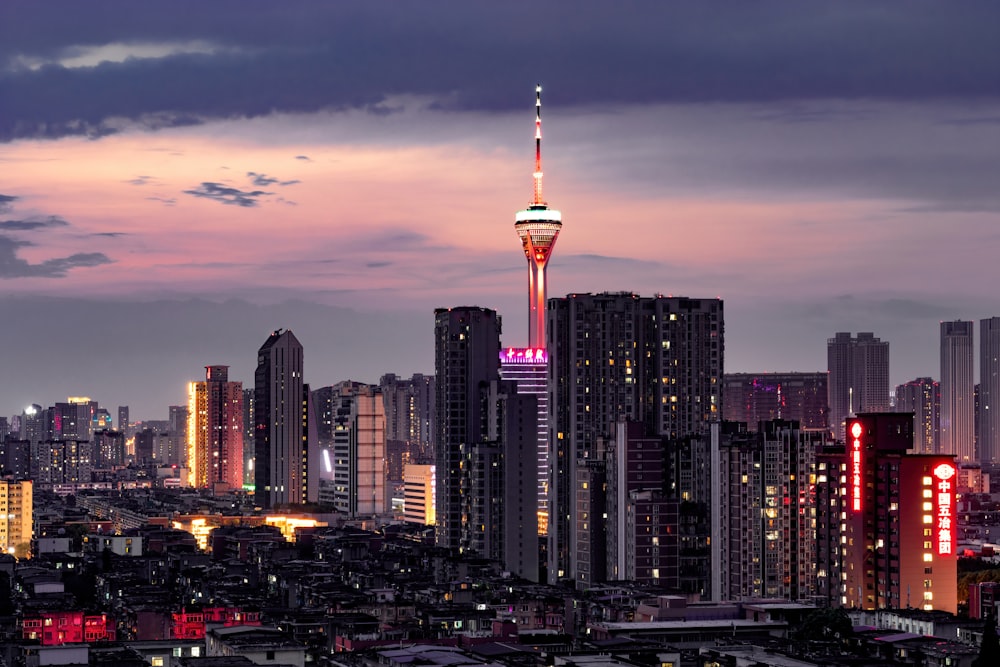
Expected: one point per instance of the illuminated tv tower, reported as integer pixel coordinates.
(538, 227)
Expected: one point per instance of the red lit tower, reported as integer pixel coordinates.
(538, 227)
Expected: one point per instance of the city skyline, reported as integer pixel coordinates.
(191, 178)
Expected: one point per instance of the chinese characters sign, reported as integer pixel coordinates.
(944, 495)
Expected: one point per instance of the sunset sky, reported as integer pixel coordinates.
(177, 179)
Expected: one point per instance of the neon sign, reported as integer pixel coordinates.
(524, 355)
(945, 497)
(856, 431)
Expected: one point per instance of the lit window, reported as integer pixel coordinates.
(928, 558)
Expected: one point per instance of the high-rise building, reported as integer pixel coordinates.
(355, 448)
(282, 446)
(16, 514)
(886, 520)
(922, 397)
(859, 376)
(989, 391)
(409, 421)
(538, 229)
(249, 439)
(123, 418)
(957, 400)
(176, 454)
(755, 397)
(766, 509)
(215, 432)
(466, 361)
(656, 360)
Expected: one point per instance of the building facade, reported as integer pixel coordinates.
(419, 484)
(281, 417)
(859, 376)
(752, 398)
(618, 356)
(215, 431)
(988, 436)
(922, 397)
(957, 435)
(16, 515)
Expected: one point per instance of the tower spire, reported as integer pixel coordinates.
(538, 200)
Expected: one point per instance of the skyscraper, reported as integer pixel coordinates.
(281, 443)
(123, 419)
(656, 360)
(859, 376)
(755, 397)
(215, 431)
(922, 397)
(466, 361)
(538, 228)
(989, 390)
(957, 406)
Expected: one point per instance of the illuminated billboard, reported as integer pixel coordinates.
(524, 355)
(944, 497)
(855, 476)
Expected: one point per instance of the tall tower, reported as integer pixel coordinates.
(538, 227)
(957, 407)
(215, 430)
(989, 390)
(281, 445)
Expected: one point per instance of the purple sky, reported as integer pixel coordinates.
(177, 179)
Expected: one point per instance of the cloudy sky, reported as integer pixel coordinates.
(177, 179)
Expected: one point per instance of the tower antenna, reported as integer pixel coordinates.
(538, 200)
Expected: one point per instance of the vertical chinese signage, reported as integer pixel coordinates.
(944, 495)
(855, 476)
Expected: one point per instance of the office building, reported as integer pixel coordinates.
(886, 520)
(922, 397)
(989, 391)
(176, 454)
(859, 376)
(16, 514)
(354, 447)
(752, 398)
(466, 361)
(656, 360)
(123, 422)
(766, 509)
(957, 401)
(285, 459)
(419, 485)
(409, 421)
(215, 432)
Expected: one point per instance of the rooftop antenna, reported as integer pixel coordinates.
(538, 200)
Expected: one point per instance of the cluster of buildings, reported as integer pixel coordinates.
(607, 481)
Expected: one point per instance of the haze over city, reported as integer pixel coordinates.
(179, 179)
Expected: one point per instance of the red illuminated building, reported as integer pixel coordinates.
(885, 522)
(191, 624)
(68, 627)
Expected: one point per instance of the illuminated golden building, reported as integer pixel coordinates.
(16, 518)
(215, 431)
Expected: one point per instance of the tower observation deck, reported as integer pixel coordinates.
(538, 228)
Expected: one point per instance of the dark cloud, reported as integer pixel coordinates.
(340, 56)
(110, 235)
(32, 224)
(166, 201)
(227, 195)
(6, 201)
(304, 158)
(263, 180)
(139, 180)
(12, 266)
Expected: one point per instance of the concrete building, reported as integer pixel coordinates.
(755, 397)
(285, 460)
(859, 376)
(419, 486)
(922, 397)
(989, 391)
(957, 400)
(466, 361)
(215, 431)
(16, 516)
(655, 360)
(886, 526)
